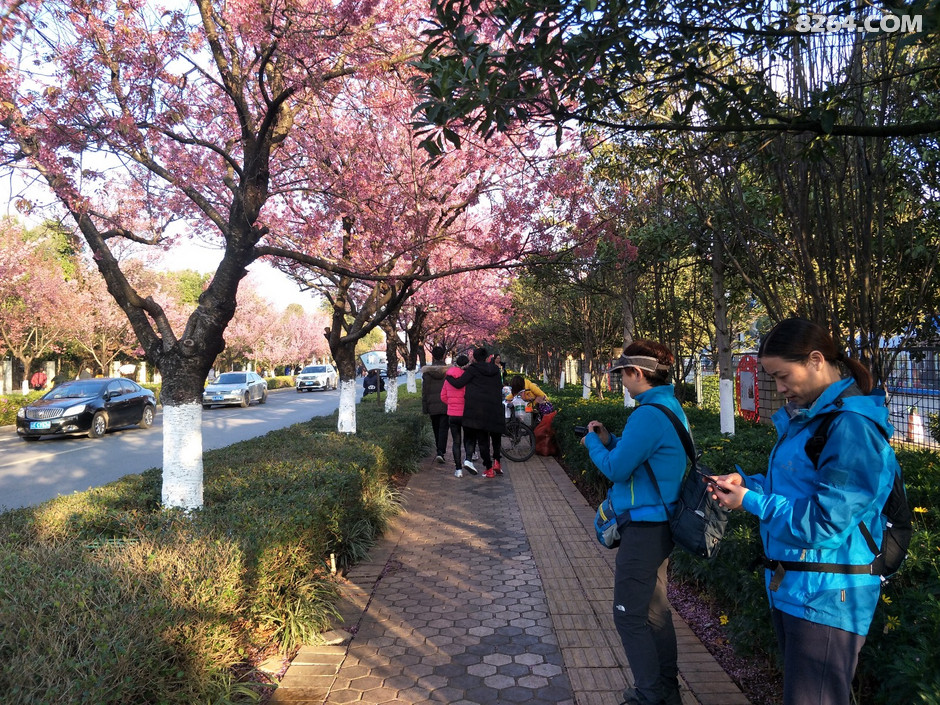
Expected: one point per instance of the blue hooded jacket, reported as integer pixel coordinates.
(810, 514)
(648, 435)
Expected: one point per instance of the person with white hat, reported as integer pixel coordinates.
(649, 443)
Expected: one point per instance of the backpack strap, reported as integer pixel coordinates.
(814, 446)
(687, 443)
(684, 435)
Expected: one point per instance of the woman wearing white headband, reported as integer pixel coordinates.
(641, 609)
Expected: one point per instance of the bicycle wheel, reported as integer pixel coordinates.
(518, 442)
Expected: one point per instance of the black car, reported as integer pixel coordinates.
(89, 406)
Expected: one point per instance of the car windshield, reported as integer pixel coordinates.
(231, 378)
(77, 390)
(314, 368)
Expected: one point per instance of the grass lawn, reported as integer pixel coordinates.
(105, 598)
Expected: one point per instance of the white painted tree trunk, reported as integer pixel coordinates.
(561, 380)
(628, 401)
(391, 396)
(412, 381)
(726, 398)
(182, 456)
(585, 385)
(347, 406)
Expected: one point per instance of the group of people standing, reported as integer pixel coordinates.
(465, 400)
(807, 510)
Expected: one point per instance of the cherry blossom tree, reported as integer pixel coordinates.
(101, 329)
(461, 310)
(383, 221)
(139, 118)
(253, 125)
(36, 303)
(294, 336)
(246, 330)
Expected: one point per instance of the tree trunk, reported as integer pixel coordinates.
(722, 339)
(182, 456)
(344, 355)
(586, 376)
(391, 354)
(181, 397)
(415, 356)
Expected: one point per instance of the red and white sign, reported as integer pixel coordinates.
(748, 404)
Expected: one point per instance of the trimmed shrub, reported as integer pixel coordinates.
(108, 599)
(12, 403)
(281, 382)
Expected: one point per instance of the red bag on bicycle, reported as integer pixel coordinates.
(545, 436)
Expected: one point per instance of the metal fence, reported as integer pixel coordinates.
(914, 396)
(913, 392)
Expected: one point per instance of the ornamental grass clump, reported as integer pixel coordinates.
(106, 598)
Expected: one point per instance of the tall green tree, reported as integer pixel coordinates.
(691, 65)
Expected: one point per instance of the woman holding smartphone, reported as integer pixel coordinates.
(813, 512)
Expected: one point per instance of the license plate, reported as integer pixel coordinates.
(218, 398)
(39, 425)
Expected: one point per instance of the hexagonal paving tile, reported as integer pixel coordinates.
(460, 618)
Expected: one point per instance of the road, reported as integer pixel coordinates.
(31, 473)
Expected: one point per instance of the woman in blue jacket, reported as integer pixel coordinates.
(811, 512)
(641, 609)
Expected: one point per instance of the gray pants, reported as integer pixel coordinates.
(818, 661)
(641, 610)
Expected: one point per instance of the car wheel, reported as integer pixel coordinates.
(99, 424)
(299, 391)
(146, 418)
(246, 400)
(264, 397)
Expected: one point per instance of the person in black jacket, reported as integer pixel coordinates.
(483, 408)
(373, 382)
(432, 379)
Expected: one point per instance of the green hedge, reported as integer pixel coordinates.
(281, 382)
(107, 599)
(900, 663)
(933, 426)
(11, 403)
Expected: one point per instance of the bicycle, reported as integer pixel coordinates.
(518, 441)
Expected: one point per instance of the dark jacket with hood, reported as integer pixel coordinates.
(483, 403)
(432, 379)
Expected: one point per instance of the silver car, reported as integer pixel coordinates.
(317, 377)
(235, 388)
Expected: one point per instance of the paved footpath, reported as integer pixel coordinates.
(486, 592)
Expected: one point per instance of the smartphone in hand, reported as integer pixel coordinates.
(703, 473)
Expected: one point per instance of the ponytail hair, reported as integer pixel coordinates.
(793, 339)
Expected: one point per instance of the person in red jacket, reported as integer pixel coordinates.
(38, 380)
(454, 398)
(484, 412)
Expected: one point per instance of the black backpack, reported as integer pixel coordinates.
(699, 522)
(898, 528)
